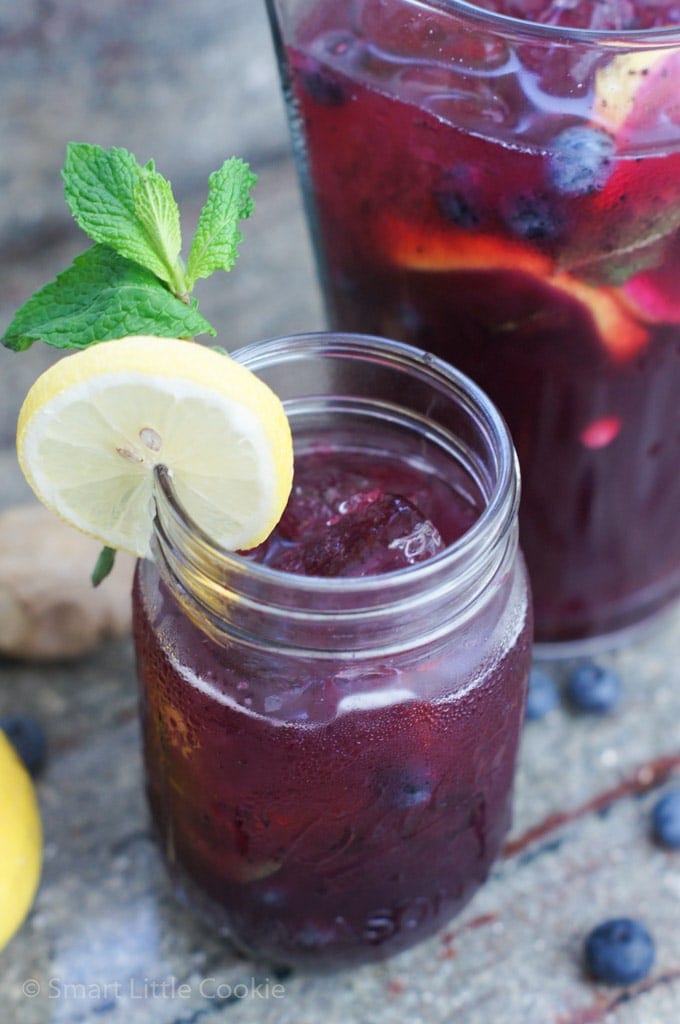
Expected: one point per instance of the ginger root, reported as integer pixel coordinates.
(49, 609)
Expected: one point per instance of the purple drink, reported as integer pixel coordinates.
(508, 196)
(330, 758)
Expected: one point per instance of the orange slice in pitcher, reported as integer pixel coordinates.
(452, 251)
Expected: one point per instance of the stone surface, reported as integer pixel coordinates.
(106, 940)
(48, 608)
(186, 84)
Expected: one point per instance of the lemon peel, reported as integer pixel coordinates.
(20, 842)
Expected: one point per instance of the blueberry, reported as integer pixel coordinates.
(324, 86)
(28, 739)
(456, 198)
(594, 688)
(543, 695)
(455, 207)
(581, 160)
(619, 951)
(666, 819)
(532, 218)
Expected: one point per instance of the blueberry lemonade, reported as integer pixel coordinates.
(502, 186)
(331, 614)
(331, 721)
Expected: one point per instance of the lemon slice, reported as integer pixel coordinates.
(96, 423)
(20, 841)
(634, 89)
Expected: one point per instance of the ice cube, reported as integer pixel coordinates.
(379, 533)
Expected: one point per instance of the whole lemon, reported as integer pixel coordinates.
(20, 841)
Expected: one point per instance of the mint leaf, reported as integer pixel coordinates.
(158, 214)
(605, 257)
(102, 295)
(215, 243)
(126, 207)
(103, 565)
(615, 268)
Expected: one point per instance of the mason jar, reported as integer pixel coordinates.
(330, 760)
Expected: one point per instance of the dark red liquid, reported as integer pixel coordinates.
(493, 211)
(335, 811)
(352, 514)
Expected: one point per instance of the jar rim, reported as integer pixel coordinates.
(494, 522)
(623, 40)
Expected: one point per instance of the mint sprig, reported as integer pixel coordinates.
(133, 281)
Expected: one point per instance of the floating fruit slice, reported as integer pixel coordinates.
(20, 841)
(441, 250)
(618, 332)
(635, 91)
(454, 251)
(95, 425)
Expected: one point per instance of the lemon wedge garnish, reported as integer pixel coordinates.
(95, 425)
(20, 841)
